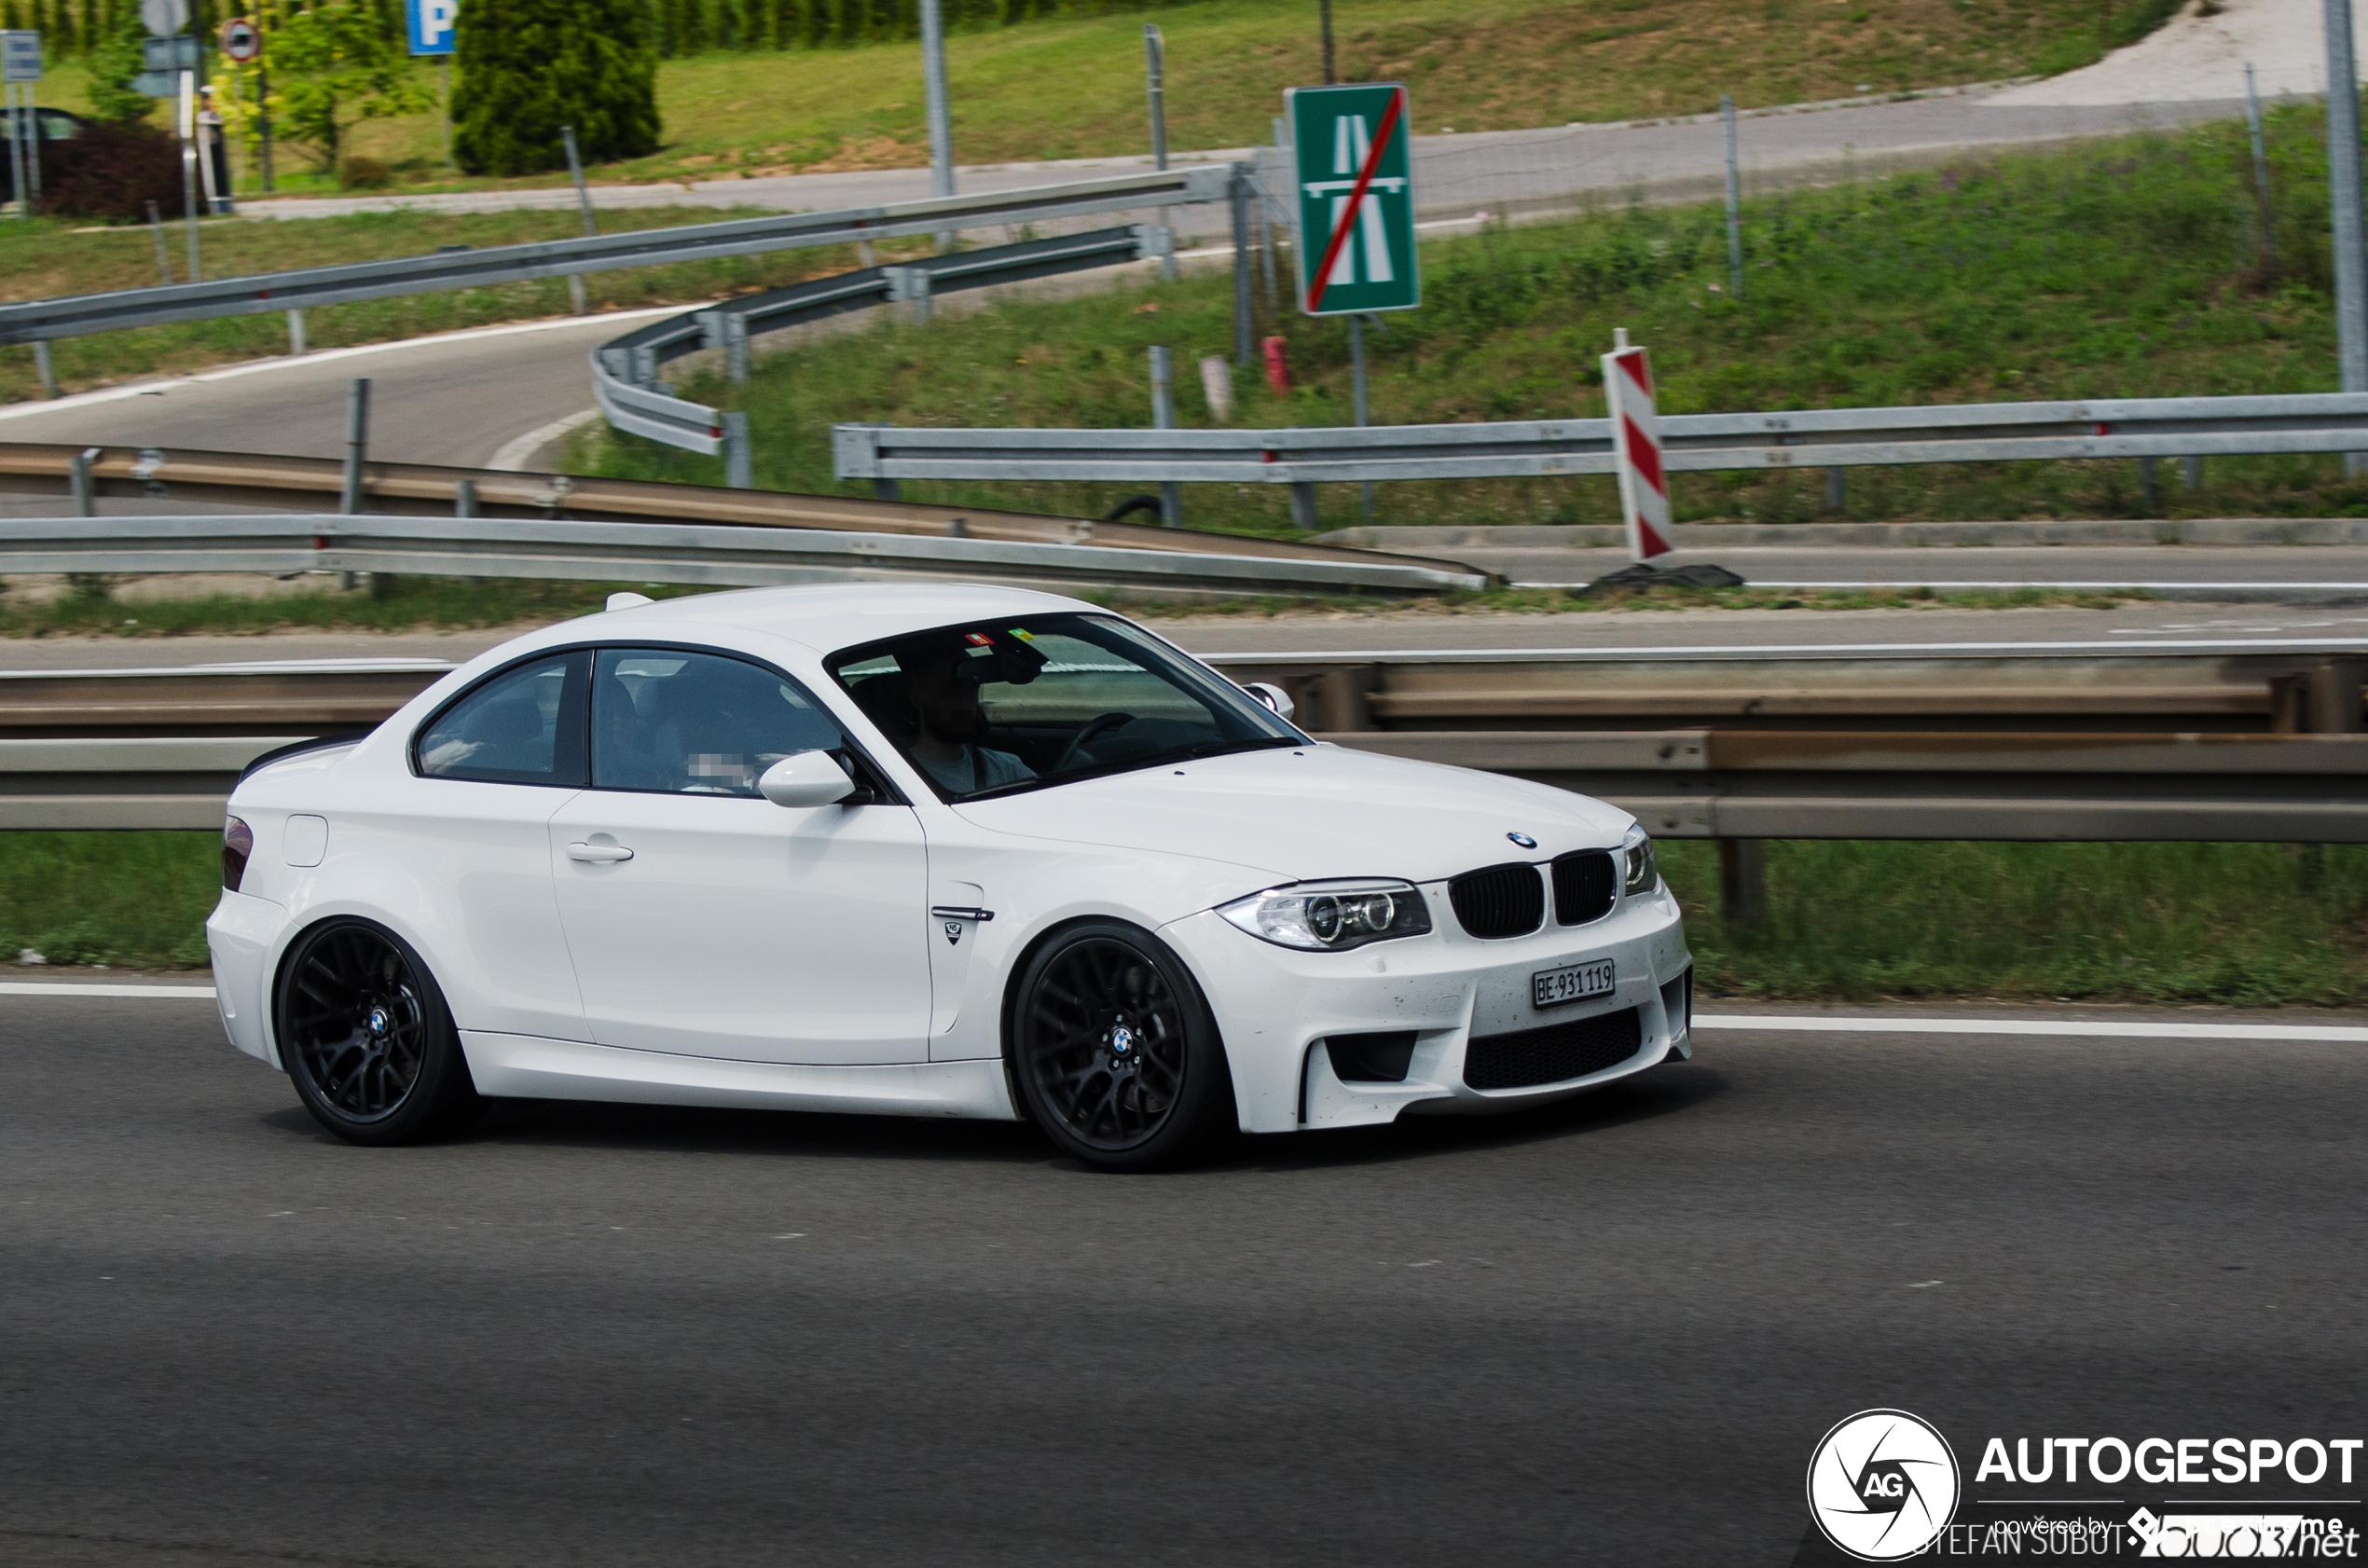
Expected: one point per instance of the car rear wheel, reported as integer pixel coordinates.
(365, 1036)
(1116, 1052)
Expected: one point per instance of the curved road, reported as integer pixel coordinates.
(1609, 1332)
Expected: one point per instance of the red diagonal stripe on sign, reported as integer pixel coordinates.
(1638, 371)
(1653, 543)
(1355, 200)
(1643, 456)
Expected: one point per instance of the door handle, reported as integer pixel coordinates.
(599, 854)
(948, 912)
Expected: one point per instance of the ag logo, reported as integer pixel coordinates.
(1883, 1485)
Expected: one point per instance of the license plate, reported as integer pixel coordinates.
(1574, 983)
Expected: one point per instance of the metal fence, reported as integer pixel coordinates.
(161, 747)
(37, 321)
(1835, 439)
(625, 371)
(656, 551)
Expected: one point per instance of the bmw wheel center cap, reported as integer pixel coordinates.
(379, 1021)
(1122, 1040)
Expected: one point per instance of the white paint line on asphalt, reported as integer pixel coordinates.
(329, 356)
(2118, 586)
(2339, 1035)
(2134, 1029)
(1762, 650)
(74, 988)
(513, 455)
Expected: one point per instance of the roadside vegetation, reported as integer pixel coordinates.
(764, 87)
(50, 257)
(2129, 268)
(2247, 925)
(92, 607)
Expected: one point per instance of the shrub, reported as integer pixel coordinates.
(112, 170)
(365, 173)
(528, 67)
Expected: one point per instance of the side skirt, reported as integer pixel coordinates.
(525, 1067)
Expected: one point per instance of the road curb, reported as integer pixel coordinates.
(1732, 536)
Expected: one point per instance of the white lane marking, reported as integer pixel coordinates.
(513, 455)
(2133, 1029)
(1787, 650)
(71, 988)
(330, 356)
(2112, 585)
(2343, 1035)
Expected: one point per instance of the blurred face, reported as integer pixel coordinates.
(948, 709)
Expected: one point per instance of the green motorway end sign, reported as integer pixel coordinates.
(1356, 174)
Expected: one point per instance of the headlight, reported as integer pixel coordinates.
(1331, 917)
(1636, 861)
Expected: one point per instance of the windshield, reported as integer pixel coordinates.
(1002, 707)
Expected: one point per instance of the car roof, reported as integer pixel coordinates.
(828, 616)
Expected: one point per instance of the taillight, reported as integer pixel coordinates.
(238, 843)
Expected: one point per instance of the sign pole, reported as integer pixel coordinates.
(16, 149)
(189, 170)
(940, 114)
(1357, 386)
(1155, 80)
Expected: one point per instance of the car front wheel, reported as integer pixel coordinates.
(1115, 1049)
(365, 1036)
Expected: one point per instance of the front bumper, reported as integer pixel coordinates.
(1276, 1006)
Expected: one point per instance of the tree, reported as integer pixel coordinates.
(333, 67)
(528, 67)
(117, 58)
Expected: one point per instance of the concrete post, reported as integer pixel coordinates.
(295, 333)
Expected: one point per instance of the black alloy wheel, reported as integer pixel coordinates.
(1118, 1057)
(363, 1033)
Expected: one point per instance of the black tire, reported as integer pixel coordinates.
(1117, 1056)
(366, 1039)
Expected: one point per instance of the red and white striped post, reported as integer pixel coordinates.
(1636, 450)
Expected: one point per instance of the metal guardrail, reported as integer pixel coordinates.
(650, 552)
(160, 748)
(261, 482)
(1832, 438)
(625, 371)
(36, 321)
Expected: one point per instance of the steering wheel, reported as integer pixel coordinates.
(1091, 728)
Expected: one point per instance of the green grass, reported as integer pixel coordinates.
(2249, 924)
(47, 257)
(1072, 86)
(2129, 268)
(2253, 924)
(413, 603)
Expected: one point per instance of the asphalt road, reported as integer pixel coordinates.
(2331, 568)
(1605, 1333)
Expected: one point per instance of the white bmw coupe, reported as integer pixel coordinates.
(926, 851)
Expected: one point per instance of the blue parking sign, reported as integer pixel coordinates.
(431, 24)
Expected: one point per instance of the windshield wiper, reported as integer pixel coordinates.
(1128, 765)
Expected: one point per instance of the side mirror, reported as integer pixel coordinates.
(1274, 697)
(805, 778)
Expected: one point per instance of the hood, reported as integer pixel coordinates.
(1322, 811)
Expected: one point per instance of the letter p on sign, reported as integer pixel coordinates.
(1636, 452)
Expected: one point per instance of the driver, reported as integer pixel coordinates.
(945, 745)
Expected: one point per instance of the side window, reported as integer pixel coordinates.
(695, 723)
(522, 727)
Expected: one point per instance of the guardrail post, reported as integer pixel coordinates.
(2149, 489)
(911, 286)
(1836, 488)
(1743, 881)
(2191, 471)
(888, 489)
(295, 333)
(357, 444)
(2334, 696)
(735, 345)
(1343, 692)
(1163, 418)
(85, 493)
(1242, 328)
(464, 498)
(739, 461)
(42, 364)
(645, 367)
(1303, 506)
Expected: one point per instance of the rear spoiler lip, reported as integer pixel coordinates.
(319, 743)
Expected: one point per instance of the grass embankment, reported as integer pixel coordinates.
(2130, 269)
(444, 604)
(2253, 924)
(1072, 86)
(47, 257)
